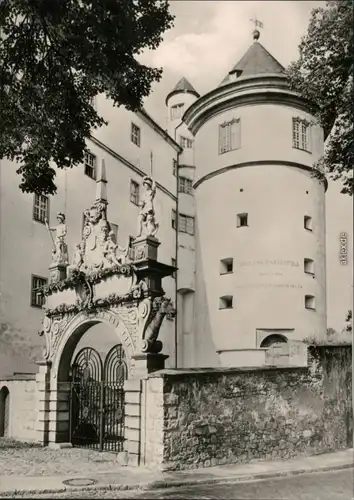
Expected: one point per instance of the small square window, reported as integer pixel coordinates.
(242, 220)
(90, 163)
(308, 223)
(309, 266)
(40, 208)
(174, 264)
(135, 134)
(185, 142)
(134, 192)
(310, 302)
(37, 299)
(225, 302)
(185, 185)
(226, 266)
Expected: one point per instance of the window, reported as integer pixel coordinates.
(309, 266)
(229, 136)
(174, 219)
(185, 143)
(185, 185)
(37, 299)
(225, 302)
(301, 134)
(40, 208)
(114, 229)
(90, 163)
(226, 266)
(186, 224)
(134, 192)
(242, 220)
(135, 134)
(308, 223)
(174, 264)
(174, 167)
(177, 111)
(309, 302)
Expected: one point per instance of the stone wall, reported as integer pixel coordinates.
(22, 395)
(220, 416)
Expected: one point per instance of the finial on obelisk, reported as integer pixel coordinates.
(257, 24)
(101, 184)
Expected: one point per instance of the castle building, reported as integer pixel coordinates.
(241, 216)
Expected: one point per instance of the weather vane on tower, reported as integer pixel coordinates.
(257, 24)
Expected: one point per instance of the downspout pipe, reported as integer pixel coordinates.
(177, 234)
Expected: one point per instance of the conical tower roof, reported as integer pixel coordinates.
(183, 85)
(256, 61)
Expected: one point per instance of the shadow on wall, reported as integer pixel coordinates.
(16, 352)
(204, 347)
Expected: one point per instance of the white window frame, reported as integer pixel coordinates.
(186, 224)
(40, 208)
(37, 299)
(134, 192)
(135, 134)
(230, 136)
(177, 111)
(186, 143)
(90, 164)
(185, 185)
(301, 134)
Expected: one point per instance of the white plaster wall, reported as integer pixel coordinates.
(23, 400)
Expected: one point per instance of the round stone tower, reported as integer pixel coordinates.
(260, 213)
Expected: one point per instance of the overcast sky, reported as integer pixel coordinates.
(208, 38)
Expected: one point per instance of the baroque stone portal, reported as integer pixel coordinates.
(124, 282)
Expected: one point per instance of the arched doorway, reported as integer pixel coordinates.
(273, 340)
(4, 412)
(97, 399)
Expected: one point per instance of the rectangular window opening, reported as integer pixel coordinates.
(135, 134)
(226, 266)
(310, 302)
(177, 111)
(174, 264)
(185, 143)
(309, 266)
(90, 162)
(226, 302)
(308, 223)
(134, 192)
(40, 208)
(185, 185)
(37, 282)
(301, 134)
(229, 136)
(174, 167)
(174, 219)
(242, 220)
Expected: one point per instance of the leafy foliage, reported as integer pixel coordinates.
(324, 76)
(55, 57)
(349, 322)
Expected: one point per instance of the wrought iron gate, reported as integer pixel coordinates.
(97, 399)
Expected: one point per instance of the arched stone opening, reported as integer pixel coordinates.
(4, 411)
(273, 340)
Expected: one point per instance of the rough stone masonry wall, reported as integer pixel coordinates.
(225, 416)
(23, 398)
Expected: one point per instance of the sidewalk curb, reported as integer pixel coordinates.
(176, 483)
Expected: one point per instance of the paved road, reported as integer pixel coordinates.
(337, 485)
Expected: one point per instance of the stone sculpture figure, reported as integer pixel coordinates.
(150, 225)
(110, 250)
(60, 250)
(77, 257)
(162, 306)
(147, 204)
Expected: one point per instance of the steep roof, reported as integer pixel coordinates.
(256, 61)
(183, 85)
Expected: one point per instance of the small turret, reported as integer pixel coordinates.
(177, 101)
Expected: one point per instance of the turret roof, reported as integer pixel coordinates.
(256, 61)
(183, 85)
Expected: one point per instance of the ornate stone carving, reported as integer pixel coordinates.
(147, 223)
(52, 329)
(60, 249)
(161, 306)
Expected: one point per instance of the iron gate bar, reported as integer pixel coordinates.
(97, 399)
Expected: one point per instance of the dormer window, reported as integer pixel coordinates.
(235, 74)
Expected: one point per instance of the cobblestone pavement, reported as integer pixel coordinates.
(337, 485)
(36, 461)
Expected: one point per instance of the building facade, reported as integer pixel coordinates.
(240, 215)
